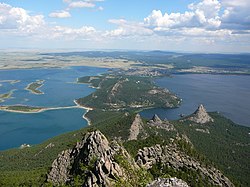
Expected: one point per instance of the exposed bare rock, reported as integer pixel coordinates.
(94, 152)
(168, 182)
(156, 119)
(171, 156)
(157, 122)
(59, 173)
(200, 116)
(206, 131)
(116, 87)
(135, 128)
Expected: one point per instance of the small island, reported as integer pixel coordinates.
(22, 109)
(5, 96)
(34, 87)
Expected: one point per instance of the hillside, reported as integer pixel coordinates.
(191, 147)
(203, 149)
(116, 92)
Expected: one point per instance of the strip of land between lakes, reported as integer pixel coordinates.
(39, 110)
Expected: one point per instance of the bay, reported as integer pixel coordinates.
(60, 89)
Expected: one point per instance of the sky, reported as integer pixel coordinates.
(211, 26)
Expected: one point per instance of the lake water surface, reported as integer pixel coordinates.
(228, 94)
(60, 89)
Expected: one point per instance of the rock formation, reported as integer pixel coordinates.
(168, 182)
(200, 116)
(96, 154)
(135, 128)
(97, 162)
(157, 122)
(171, 156)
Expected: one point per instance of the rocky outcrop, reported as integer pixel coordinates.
(168, 182)
(136, 128)
(97, 162)
(59, 173)
(200, 116)
(171, 156)
(93, 157)
(157, 122)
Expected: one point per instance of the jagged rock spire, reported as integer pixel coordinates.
(200, 116)
(95, 148)
(156, 119)
(135, 128)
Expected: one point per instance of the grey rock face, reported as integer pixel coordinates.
(93, 151)
(135, 128)
(157, 122)
(59, 173)
(171, 156)
(168, 182)
(201, 116)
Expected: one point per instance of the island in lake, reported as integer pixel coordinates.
(34, 87)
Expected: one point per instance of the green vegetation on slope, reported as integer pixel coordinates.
(126, 92)
(226, 144)
(29, 166)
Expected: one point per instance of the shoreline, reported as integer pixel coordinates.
(35, 91)
(38, 110)
(84, 115)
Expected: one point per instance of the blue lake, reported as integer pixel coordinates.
(60, 89)
(227, 94)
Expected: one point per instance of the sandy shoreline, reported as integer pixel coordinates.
(87, 110)
(39, 110)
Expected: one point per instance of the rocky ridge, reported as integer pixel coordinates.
(168, 182)
(93, 159)
(171, 156)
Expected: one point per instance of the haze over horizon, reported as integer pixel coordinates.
(209, 26)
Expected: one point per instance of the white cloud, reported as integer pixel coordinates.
(66, 1)
(13, 18)
(128, 29)
(100, 8)
(81, 4)
(60, 14)
(203, 14)
(85, 32)
(236, 14)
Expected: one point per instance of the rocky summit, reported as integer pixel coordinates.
(158, 123)
(200, 116)
(92, 160)
(168, 182)
(95, 161)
